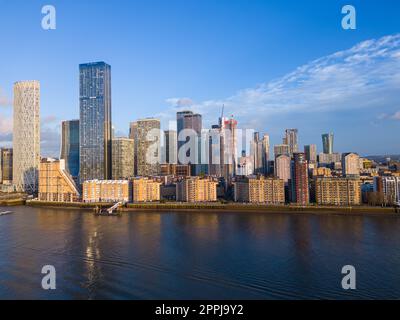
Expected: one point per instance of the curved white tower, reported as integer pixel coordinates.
(26, 136)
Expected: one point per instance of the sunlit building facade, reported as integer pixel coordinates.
(26, 136)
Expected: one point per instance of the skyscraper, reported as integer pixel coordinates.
(327, 143)
(122, 158)
(282, 167)
(265, 153)
(180, 116)
(26, 136)
(70, 146)
(280, 149)
(95, 121)
(229, 143)
(291, 139)
(170, 146)
(299, 179)
(257, 153)
(147, 146)
(311, 153)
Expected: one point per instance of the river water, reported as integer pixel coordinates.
(201, 255)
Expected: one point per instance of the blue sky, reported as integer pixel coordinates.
(274, 64)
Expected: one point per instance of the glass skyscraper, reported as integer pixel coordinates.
(70, 146)
(95, 121)
(327, 143)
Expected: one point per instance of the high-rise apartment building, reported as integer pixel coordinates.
(146, 134)
(338, 191)
(55, 183)
(311, 153)
(350, 164)
(70, 146)
(280, 149)
(26, 136)
(95, 121)
(145, 190)
(197, 189)
(259, 190)
(300, 193)
(327, 143)
(122, 158)
(291, 139)
(282, 167)
(170, 146)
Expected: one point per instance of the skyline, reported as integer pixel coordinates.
(311, 98)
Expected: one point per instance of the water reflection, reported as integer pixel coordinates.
(189, 255)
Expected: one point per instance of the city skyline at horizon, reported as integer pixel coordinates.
(349, 89)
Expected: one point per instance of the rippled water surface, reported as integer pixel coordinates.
(197, 255)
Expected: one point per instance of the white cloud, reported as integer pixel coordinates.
(4, 100)
(396, 116)
(364, 76)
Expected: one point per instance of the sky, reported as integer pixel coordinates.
(273, 64)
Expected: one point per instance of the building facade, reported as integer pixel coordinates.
(26, 136)
(95, 129)
(282, 167)
(389, 187)
(259, 190)
(291, 139)
(6, 164)
(196, 189)
(311, 153)
(122, 158)
(170, 146)
(70, 146)
(145, 190)
(338, 191)
(300, 193)
(146, 133)
(350, 164)
(327, 143)
(55, 183)
(110, 191)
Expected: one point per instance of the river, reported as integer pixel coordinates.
(197, 255)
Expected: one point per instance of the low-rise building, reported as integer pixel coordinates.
(259, 190)
(183, 170)
(55, 183)
(145, 190)
(389, 187)
(197, 189)
(106, 191)
(338, 191)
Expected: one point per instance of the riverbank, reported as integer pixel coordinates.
(224, 207)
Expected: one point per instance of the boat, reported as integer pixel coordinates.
(5, 213)
(113, 211)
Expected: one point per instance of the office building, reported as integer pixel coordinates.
(170, 147)
(291, 139)
(311, 153)
(197, 189)
(259, 190)
(229, 142)
(145, 190)
(70, 146)
(327, 143)
(55, 183)
(26, 136)
(338, 191)
(95, 121)
(122, 158)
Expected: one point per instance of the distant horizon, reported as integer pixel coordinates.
(315, 76)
